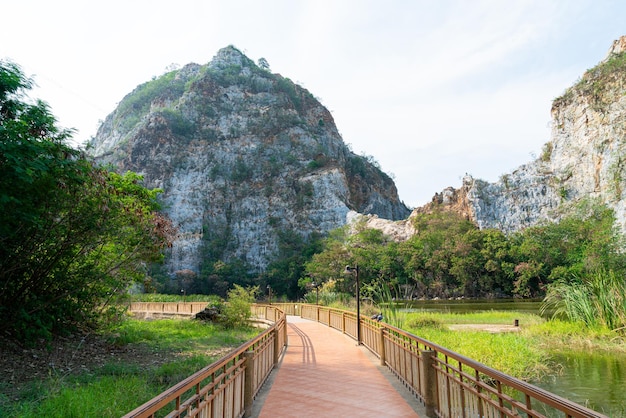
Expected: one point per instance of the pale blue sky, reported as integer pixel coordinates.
(431, 89)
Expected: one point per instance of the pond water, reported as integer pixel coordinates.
(595, 380)
(474, 305)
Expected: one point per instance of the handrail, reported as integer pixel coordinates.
(228, 386)
(168, 308)
(447, 383)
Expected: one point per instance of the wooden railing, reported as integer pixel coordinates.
(447, 383)
(227, 387)
(167, 309)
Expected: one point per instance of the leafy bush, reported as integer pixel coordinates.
(546, 152)
(237, 310)
(177, 123)
(425, 321)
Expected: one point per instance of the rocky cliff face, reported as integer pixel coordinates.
(585, 159)
(242, 155)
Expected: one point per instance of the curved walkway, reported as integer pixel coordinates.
(323, 373)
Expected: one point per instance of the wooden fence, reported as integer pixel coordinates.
(166, 309)
(227, 387)
(447, 383)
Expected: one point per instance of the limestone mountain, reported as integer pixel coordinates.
(246, 159)
(584, 159)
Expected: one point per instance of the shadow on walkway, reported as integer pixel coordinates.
(323, 373)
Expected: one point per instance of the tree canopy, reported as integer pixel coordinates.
(451, 257)
(72, 235)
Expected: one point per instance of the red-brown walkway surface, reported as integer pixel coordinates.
(324, 373)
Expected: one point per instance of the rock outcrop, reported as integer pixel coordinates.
(244, 157)
(584, 159)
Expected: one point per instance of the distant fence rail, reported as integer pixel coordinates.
(447, 383)
(166, 309)
(227, 387)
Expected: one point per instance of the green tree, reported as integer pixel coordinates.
(330, 263)
(72, 235)
(283, 274)
(262, 62)
(578, 245)
(467, 262)
(497, 278)
(440, 240)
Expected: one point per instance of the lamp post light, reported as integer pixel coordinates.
(317, 292)
(355, 270)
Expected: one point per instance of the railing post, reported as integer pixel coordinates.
(343, 322)
(248, 388)
(430, 381)
(381, 343)
(276, 346)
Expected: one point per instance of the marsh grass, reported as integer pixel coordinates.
(559, 335)
(510, 352)
(120, 386)
(597, 300)
(527, 354)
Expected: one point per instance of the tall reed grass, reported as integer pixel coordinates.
(595, 300)
(391, 309)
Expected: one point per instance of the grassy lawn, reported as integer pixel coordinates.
(146, 357)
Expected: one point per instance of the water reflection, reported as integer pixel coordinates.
(474, 305)
(596, 380)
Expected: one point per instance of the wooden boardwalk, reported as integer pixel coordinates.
(323, 373)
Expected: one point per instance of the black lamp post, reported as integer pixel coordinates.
(314, 285)
(317, 292)
(355, 270)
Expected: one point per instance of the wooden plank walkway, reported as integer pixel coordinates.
(323, 373)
